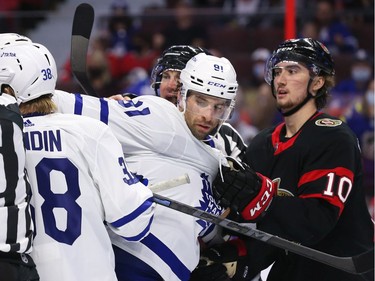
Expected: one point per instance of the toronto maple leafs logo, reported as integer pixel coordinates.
(208, 203)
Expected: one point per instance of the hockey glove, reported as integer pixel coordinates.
(212, 272)
(243, 190)
(219, 262)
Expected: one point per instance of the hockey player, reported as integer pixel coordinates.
(162, 141)
(78, 176)
(315, 163)
(165, 79)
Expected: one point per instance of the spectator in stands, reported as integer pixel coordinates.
(349, 90)
(211, 3)
(244, 10)
(142, 54)
(121, 31)
(183, 30)
(361, 75)
(309, 29)
(256, 110)
(333, 33)
(99, 68)
(137, 82)
(264, 113)
(102, 69)
(360, 118)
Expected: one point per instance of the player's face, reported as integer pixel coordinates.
(290, 82)
(203, 113)
(169, 85)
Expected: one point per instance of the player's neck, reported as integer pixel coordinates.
(295, 122)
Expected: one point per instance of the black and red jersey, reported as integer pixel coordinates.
(320, 200)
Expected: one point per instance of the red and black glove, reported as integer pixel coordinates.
(243, 190)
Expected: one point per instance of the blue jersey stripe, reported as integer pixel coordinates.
(142, 234)
(161, 250)
(137, 212)
(78, 105)
(104, 111)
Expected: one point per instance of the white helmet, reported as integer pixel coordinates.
(212, 76)
(7, 39)
(209, 75)
(29, 69)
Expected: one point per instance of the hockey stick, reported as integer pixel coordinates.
(82, 25)
(164, 185)
(356, 265)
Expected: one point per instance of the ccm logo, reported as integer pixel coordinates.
(216, 84)
(266, 196)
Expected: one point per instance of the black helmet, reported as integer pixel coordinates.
(308, 51)
(173, 58)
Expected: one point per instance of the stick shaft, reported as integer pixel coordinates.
(348, 264)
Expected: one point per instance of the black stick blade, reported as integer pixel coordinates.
(83, 20)
(82, 25)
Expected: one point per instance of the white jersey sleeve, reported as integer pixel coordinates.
(158, 145)
(80, 182)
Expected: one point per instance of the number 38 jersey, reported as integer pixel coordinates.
(79, 181)
(158, 145)
(320, 164)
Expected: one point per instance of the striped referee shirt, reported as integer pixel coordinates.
(16, 229)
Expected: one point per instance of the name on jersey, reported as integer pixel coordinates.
(43, 141)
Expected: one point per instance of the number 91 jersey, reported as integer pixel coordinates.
(158, 145)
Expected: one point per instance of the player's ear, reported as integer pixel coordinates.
(318, 82)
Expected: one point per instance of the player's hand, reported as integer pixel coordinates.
(243, 190)
(213, 272)
(219, 262)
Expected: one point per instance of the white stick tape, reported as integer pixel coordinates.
(164, 185)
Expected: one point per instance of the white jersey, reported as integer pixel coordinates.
(16, 226)
(158, 145)
(79, 181)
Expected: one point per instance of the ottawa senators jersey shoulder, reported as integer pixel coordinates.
(318, 135)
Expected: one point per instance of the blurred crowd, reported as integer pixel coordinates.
(23, 15)
(121, 57)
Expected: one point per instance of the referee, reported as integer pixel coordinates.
(16, 230)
